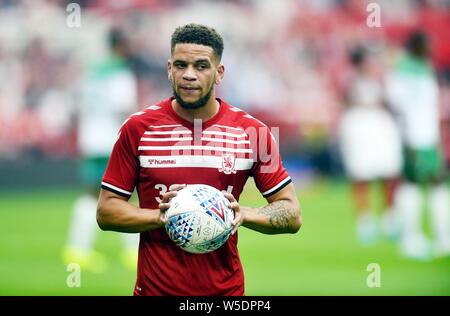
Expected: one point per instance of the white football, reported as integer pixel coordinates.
(199, 220)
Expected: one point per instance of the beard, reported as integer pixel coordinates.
(193, 105)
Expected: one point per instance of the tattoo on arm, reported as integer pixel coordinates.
(280, 214)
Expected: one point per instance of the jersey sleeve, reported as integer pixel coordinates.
(269, 174)
(123, 166)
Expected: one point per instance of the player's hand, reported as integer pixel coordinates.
(238, 215)
(166, 198)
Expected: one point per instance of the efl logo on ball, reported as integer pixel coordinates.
(199, 220)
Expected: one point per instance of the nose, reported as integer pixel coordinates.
(190, 74)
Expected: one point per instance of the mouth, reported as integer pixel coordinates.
(189, 88)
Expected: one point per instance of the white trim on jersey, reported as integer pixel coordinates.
(192, 161)
(229, 141)
(212, 148)
(170, 139)
(229, 127)
(167, 132)
(277, 186)
(224, 134)
(116, 188)
(161, 126)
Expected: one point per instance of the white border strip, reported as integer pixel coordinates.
(116, 188)
(277, 186)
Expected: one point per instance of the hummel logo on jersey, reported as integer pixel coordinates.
(155, 161)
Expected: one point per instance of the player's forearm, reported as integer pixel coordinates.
(278, 217)
(119, 215)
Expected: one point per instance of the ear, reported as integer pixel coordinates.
(169, 69)
(220, 74)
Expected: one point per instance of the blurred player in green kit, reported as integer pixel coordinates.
(108, 98)
(413, 94)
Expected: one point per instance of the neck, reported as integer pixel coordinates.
(204, 113)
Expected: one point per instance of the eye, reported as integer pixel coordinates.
(202, 66)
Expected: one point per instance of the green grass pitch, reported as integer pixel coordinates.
(322, 259)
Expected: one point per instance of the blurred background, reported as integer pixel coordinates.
(287, 63)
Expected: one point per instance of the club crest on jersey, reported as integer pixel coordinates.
(228, 163)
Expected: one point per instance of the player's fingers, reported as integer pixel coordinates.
(163, 218)
(229, 196)
(177, 187)
(236, 222)
(164, 206)
(234, 206)
(237, 219)
(166, 197)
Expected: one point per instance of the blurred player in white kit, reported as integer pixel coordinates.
(371, 150)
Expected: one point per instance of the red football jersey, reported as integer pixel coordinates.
(155, 149)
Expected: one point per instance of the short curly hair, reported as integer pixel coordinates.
(198, 34)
